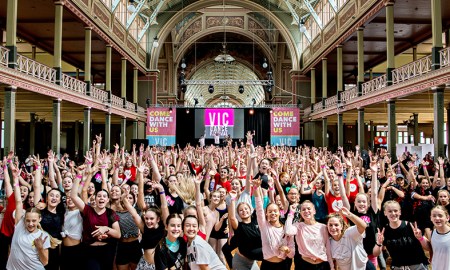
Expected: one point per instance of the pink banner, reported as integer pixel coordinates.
(161, 122)
(219, 117)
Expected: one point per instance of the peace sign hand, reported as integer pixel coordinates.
(380, 236)
(417, 231)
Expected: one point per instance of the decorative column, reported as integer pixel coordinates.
(361, 128)
(436, 29)
(135, 86)
(324, 132)
(32, 133)
(123, 92)
(416, 129)
(313, 86)
(360, 36)
(87, 58)
(87, 129)
(438, 111)
(123, 131)
(390, 40)
(107, 131)
(340, 129)
(392, 130)
(57, 44)
(11, 33)
(153, 80)
(108, 71)
(135, 129)
(324, 80)
(10, 119)
(56, 126)
(340, 72)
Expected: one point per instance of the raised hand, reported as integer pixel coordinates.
(417, 231)
(380, 236)
(39, 242)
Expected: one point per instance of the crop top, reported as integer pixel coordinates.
(151, 237)
(128, 228)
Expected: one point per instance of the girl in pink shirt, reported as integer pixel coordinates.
(276, 245)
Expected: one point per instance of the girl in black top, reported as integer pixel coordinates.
(152, 227)
(171, 251)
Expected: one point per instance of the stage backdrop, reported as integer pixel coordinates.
(285, 126)
(161, 125)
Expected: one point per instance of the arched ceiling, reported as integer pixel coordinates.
(227, 94)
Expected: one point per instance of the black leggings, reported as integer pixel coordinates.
(72, 257)
(283, 265)
(301, 264)
(5, 242)
(100, 257)
(227, 249)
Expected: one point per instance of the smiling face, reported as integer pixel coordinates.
(190, 227)
(307, 211)
(244, 211)
(236, 185)
(361, 203)
(151, 219)
(272, 213)
(91, 188)
(392, 211)
(293, 195)
(215, 197)
(67, 183)
(335, 227)
(102, 198)
(116, 192)
(31, 221)
(24, 192)
(134, 189)
(264, 166)
(53, 198)
(439, 217)
(174, 228)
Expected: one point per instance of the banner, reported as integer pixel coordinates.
(285, 126)
(219, 121)
(161, 126)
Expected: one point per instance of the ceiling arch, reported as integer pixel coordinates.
(278, 24)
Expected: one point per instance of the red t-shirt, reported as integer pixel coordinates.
(92, 219)
(218, 182)
(334, 203)
(132, 169)
(8, 222)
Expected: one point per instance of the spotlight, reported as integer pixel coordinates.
(269, 88)
(187, 110)
(251, 111)
(155, 42)
(241, 89)
(264, 64)
(211, 88)
(271, 111)
(183, 64)
(170, 110)
(302, 26)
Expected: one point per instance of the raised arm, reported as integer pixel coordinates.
(374, 187)
(232, 220)
(79, 203)
(198, 201)
(338, 169)
(17, 197)
(361, 225)
(136, 217)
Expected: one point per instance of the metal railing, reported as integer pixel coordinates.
(318, 106)
(307, 110)
(116, 101)
(444, 56)
(141, 110)
(130, 106)
(374, 84)
(412, 70)
(35, 69)
(73, 84)
(4, 52)
(99, 94)
(331, 101)
(349, 94)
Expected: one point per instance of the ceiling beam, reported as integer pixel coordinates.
(313, 13)
(297, 20)
(333, 5)
(150, 20)
(135, 13)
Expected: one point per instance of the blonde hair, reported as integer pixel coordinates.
(439, 192)
(391, 202)
(442, 208)
(185, 189)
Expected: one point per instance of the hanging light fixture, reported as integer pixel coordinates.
(302, 26)
(211, 88)
(264, 64)
(241, 89)
(155, 42)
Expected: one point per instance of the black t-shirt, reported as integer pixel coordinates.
(248, 238)
(52, 223)
(403, 246)
(151, 237)
(166, 259)
(371, 220)
(152, 199)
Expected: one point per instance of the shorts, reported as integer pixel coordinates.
(128, 252)
(144, 265)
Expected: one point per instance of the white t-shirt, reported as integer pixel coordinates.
(73, 225)
(349, 250)
(200, 252)
(441, 251)
(24, 254)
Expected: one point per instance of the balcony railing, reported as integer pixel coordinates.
(99, 94)
(73, 84)
(445, 57)
(35, 69)
(141, 110)
(412, 70)
(331, 101)
(130, 106)
(4, 56)
(116, 101)
(349, 94)
(307, 110)
(374, 85)
(318, 106)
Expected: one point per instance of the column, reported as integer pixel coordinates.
(32, 133)
(123, 131)
(324, 132)
(107, 131)
(135, 129)
(438, 111)
(10, 119)
(390, 40)
(33, 52)
(340, 72)
(392, 130)
(135, 85)
(436, 29)
(87, 130)
(370, 74)
(108, 71)
(77, 136)
(361, 128)
(340, 129)
(87, 58)
(414, 52)
(123, 92)
(324, 80)
(416, 129)
(313, 86)
(360, 37)
(56, 126)
(372, 134)
(57, 44)
(153, 79)
(11, 33)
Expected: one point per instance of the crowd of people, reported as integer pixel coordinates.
(230, 207)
